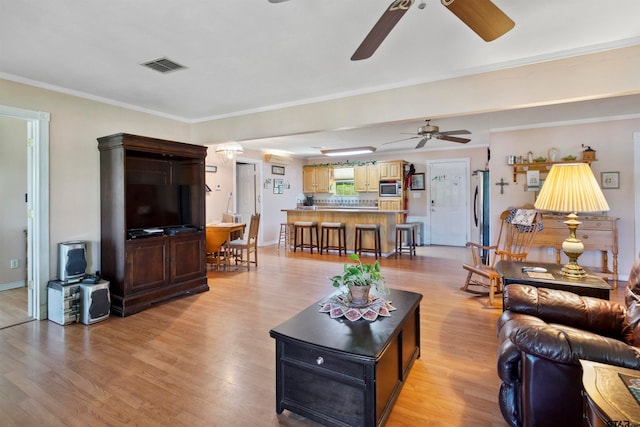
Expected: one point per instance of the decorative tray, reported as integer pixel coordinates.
(339, 305)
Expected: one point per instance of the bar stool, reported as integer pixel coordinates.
(375, 229)
(328, 228)
(285, 235)
(298, 228)
(406, 232)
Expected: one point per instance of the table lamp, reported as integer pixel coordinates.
(571, 188)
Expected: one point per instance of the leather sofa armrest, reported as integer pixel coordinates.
(566, 308)
(568, 345)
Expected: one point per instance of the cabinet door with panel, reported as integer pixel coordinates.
(309, 180)
(391, 170)
(366, 178)
(188, 257)
(147, 265)
(316, 179)
(390, 204)
(323, 179)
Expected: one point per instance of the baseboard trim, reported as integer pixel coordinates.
(13, 285)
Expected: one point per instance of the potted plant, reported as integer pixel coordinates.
(357, 279)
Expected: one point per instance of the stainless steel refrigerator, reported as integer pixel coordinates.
(481, 208)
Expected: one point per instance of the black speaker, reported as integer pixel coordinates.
(72, 261)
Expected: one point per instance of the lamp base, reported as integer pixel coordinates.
(573, 271)
(573, 248)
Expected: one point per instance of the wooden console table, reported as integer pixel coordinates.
(597, 233)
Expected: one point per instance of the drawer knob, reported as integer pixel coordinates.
(585, 237)
(320, 360)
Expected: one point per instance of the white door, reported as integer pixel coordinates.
(246, 197)
(448, 198)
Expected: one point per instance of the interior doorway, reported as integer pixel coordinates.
(448, 199)
(247, 189)
(37, 205)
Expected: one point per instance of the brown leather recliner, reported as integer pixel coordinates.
(542, 335)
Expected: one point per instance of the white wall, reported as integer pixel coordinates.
(74, 158)
(13, 187)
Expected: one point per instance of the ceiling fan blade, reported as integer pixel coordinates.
(277, 1)
(482, 16)
(422, 142)
(400, 140)
(453, 139)
(381, 29)
(455, 132)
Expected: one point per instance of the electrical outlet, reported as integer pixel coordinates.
(14, 263)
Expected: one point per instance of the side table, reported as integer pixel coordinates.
(608, 402)
(590, 286)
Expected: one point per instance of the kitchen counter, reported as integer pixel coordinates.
(350, 217)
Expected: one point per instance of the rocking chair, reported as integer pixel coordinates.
(514, 242)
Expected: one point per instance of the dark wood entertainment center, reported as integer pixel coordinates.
(151, 256)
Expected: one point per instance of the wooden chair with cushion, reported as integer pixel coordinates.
(248, 245)
(514, 243)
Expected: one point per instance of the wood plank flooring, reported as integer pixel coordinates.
(13, 307)
(208, 360)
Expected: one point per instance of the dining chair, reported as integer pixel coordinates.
(248, 245)
(514, 243)
(216, 252)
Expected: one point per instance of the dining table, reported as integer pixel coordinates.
(218, 237)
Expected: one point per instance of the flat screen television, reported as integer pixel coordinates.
(157, 206)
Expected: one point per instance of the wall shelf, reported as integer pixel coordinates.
(543, 167)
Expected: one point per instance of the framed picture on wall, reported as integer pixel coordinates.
(417, 181)
(278, 186)
(277, 170)
(610, 179)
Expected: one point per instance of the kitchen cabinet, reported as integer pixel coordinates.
(393, 170)
(316, 179)
(366, 178)
(390, 203)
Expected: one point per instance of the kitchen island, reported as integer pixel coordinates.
(350, 217)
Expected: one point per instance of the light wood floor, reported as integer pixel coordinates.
(208, 360)
(13, 307)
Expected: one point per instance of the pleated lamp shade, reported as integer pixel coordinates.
(571, 187)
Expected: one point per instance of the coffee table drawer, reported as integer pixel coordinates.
(322, 359)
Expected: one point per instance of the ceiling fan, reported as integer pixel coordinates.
(429, 131)
(482, 16)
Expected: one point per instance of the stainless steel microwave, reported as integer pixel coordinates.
(390, 188)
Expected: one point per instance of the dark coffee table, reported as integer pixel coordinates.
(591, 286)
(344, 373)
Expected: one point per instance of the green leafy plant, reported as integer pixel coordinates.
(360, 274)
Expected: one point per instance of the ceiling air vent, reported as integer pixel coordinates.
(164, 65)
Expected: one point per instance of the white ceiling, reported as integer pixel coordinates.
(245, 56)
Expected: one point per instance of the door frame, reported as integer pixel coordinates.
(38, 271)
(467, 178)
